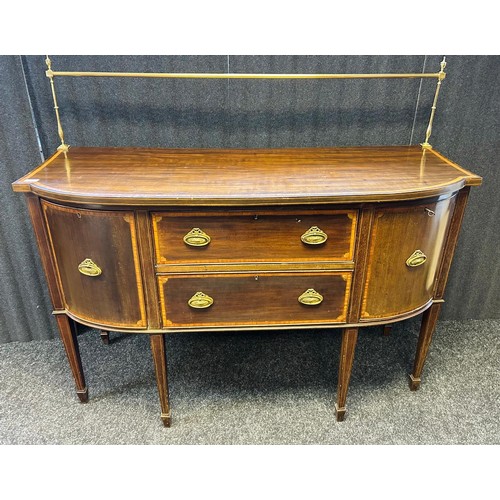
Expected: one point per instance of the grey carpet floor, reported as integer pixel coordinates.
(258, 388)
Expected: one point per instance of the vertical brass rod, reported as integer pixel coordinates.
(63, 146)
(441, 77)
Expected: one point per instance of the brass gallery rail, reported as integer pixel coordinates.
(440, 76)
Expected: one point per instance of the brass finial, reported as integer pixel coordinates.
(49, 73)
(442, 74)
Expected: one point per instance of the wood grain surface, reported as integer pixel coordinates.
(254, 237)
(204, 177)
(391, 287)
(115, 297)
(254, 299)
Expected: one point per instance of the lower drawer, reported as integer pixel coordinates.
(254, 299)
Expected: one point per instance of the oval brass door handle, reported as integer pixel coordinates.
(417, 258)
(311, 297)
(89, 268)
(196, 238)
(314, 236)
(200, 300)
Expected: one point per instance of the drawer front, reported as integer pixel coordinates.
(257, 237)
(98, 264)
(404, 255)
(251, 299)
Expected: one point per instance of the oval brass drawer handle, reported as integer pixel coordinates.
(200, 300)
(417, 258)
(311, 297)
(196, 238)
(314, 236)
(89, 268)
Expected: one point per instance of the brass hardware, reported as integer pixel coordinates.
(430, 212)
(232, 76)
(417, 258)
(227, 76)
(89, 268)
(200, 300)
(196, 238)
(50, 75)
(441, 76)
(314, 236)
(311, 298)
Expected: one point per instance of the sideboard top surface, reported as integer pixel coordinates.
(143, 176)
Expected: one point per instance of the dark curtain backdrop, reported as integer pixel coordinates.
(249, 113)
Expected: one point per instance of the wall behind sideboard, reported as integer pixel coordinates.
(249, 113)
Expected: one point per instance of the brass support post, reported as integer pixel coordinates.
(50, 75)
(441, 77)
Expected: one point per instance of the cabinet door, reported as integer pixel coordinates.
(98, 265)
(405, 251)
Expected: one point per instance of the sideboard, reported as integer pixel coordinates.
(157, 241)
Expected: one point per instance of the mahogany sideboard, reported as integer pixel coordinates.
(156, 241)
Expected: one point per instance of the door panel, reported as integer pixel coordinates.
(397, 281)
(97, 261)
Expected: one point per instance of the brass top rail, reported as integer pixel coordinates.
(233, 76)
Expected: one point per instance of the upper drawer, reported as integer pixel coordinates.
(235, 237)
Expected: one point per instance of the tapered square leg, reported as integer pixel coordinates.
(387, 330)
(160, 362)
(349, 339)
(340, 412)
(105, 337)
(67, 331)
(427, 327)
